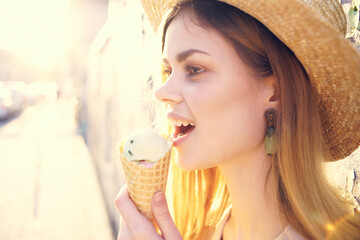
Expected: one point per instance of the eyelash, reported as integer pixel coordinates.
(192, 71)
(166, 73)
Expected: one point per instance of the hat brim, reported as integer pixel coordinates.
(330, 61)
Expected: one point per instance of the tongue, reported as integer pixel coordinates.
(186, 129)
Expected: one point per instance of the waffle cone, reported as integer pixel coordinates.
(143, 182)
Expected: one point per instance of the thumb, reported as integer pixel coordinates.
(163, 218)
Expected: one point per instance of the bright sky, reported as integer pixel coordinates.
(38, 30)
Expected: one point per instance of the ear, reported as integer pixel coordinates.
(270, 92)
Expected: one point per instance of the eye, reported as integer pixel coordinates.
(193, 70)
(165, 73)
(130, 153)
(131, 141)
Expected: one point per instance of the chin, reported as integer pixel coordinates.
(189, 163)
(184, 164)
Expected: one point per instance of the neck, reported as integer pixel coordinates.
(255, 211)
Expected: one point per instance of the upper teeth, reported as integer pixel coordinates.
(180, 122)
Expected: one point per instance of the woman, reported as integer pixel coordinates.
(268, 105)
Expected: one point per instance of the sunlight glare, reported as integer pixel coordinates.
(330, 227)
(37, 30)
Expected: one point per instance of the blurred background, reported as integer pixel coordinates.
(75, 79)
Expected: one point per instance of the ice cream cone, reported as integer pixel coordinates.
(143, 181)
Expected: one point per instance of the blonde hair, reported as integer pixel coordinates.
(306, 199)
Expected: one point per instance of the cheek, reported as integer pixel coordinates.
(230, 123)
(240, 121)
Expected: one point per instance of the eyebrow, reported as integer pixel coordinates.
(184, 55)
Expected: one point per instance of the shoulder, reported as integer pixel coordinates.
(217, 233)
(290, 233)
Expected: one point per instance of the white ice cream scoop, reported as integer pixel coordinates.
(145, 145)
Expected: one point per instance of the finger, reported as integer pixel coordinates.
(136, 223)
(124, 233)
(163, 218)
(123, 226)
(127, 208)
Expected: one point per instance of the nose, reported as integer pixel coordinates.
(170, 92)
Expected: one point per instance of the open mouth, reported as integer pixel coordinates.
(182, 130)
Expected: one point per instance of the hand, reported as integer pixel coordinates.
(133, 225)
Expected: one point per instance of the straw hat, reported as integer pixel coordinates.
(314, 30)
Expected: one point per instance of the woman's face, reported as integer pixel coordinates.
(209, 87)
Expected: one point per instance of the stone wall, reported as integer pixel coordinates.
(345, 175)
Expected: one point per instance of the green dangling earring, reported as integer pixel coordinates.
(270, 138)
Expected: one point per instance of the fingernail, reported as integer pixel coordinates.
(160, 198)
